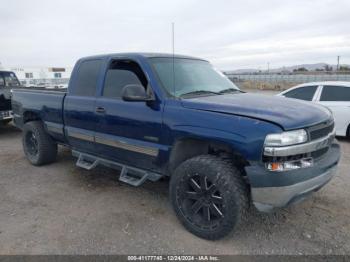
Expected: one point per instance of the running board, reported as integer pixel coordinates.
(86, 162)
(130, 175)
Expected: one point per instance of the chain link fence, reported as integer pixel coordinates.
(281, 81)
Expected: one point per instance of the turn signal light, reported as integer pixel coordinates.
(290, 165)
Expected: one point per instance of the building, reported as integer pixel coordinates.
(50, 77)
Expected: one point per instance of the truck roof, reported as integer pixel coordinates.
(141, 54)
(320, 83)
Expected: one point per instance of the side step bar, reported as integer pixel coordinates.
(130, 175)
(86, 163)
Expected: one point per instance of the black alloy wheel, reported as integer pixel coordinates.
(31, 143)
(209, 196)
(201, 201)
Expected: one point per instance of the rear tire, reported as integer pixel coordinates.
(209, 196)
(38, 146)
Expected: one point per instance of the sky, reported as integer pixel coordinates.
(231, 34)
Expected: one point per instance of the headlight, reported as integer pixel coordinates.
(286, 138)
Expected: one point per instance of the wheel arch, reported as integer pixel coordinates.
(30, 116)
(186, 148)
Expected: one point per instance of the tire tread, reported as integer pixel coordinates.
(47, 147)
(236, 187)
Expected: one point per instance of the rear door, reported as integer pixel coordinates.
(127, 132)
(337, 99)
(79, 106)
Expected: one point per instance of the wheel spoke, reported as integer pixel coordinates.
(196, 207)
(206, 213)
(215, 210)
(217, 199)
(192, 195)
(212, 189)
(203, 181)
(32, 143)
(195, 185)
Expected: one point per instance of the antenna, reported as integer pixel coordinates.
(173, 51)
(173, 37)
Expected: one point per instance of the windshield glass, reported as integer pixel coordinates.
(191, 77)
(8, 79)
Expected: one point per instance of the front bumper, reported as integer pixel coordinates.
(271, 190)
(5, 115)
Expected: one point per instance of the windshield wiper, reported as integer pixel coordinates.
(230, 90)
(199, 92)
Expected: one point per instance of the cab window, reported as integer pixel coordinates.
(8, 79)
(120, 74)
(87, 77)
(304, 93)
(2, 81)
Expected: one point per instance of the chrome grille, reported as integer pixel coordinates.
(321, 130)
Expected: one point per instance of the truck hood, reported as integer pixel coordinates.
(285, 112)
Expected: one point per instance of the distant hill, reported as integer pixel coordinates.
(308, 67)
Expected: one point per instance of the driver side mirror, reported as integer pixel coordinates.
(136, 93)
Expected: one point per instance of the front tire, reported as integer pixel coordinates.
(38, 146)
(5, 122)
(209, 196)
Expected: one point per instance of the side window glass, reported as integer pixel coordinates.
(87, 76)
(120, 74)
(2, 81)
(303, 93)
(335, 93)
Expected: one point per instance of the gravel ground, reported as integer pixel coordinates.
(62, 209)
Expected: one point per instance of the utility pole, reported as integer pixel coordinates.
(268, 67)
(338, 58)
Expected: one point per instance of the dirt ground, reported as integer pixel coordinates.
(62, 209)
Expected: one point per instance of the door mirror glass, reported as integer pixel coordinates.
(135, 93)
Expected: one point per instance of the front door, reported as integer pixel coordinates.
(127, 132)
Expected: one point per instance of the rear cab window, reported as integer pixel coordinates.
(304, 93)
(8, 79)
(2, 80)
(335, 93)
(87, 77)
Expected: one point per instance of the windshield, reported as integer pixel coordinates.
(8, 79)
(181, 77)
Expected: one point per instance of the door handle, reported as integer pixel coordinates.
(100, 110)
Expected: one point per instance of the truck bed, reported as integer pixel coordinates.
(46, 105)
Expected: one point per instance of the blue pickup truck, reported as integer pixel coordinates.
(158, 115)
